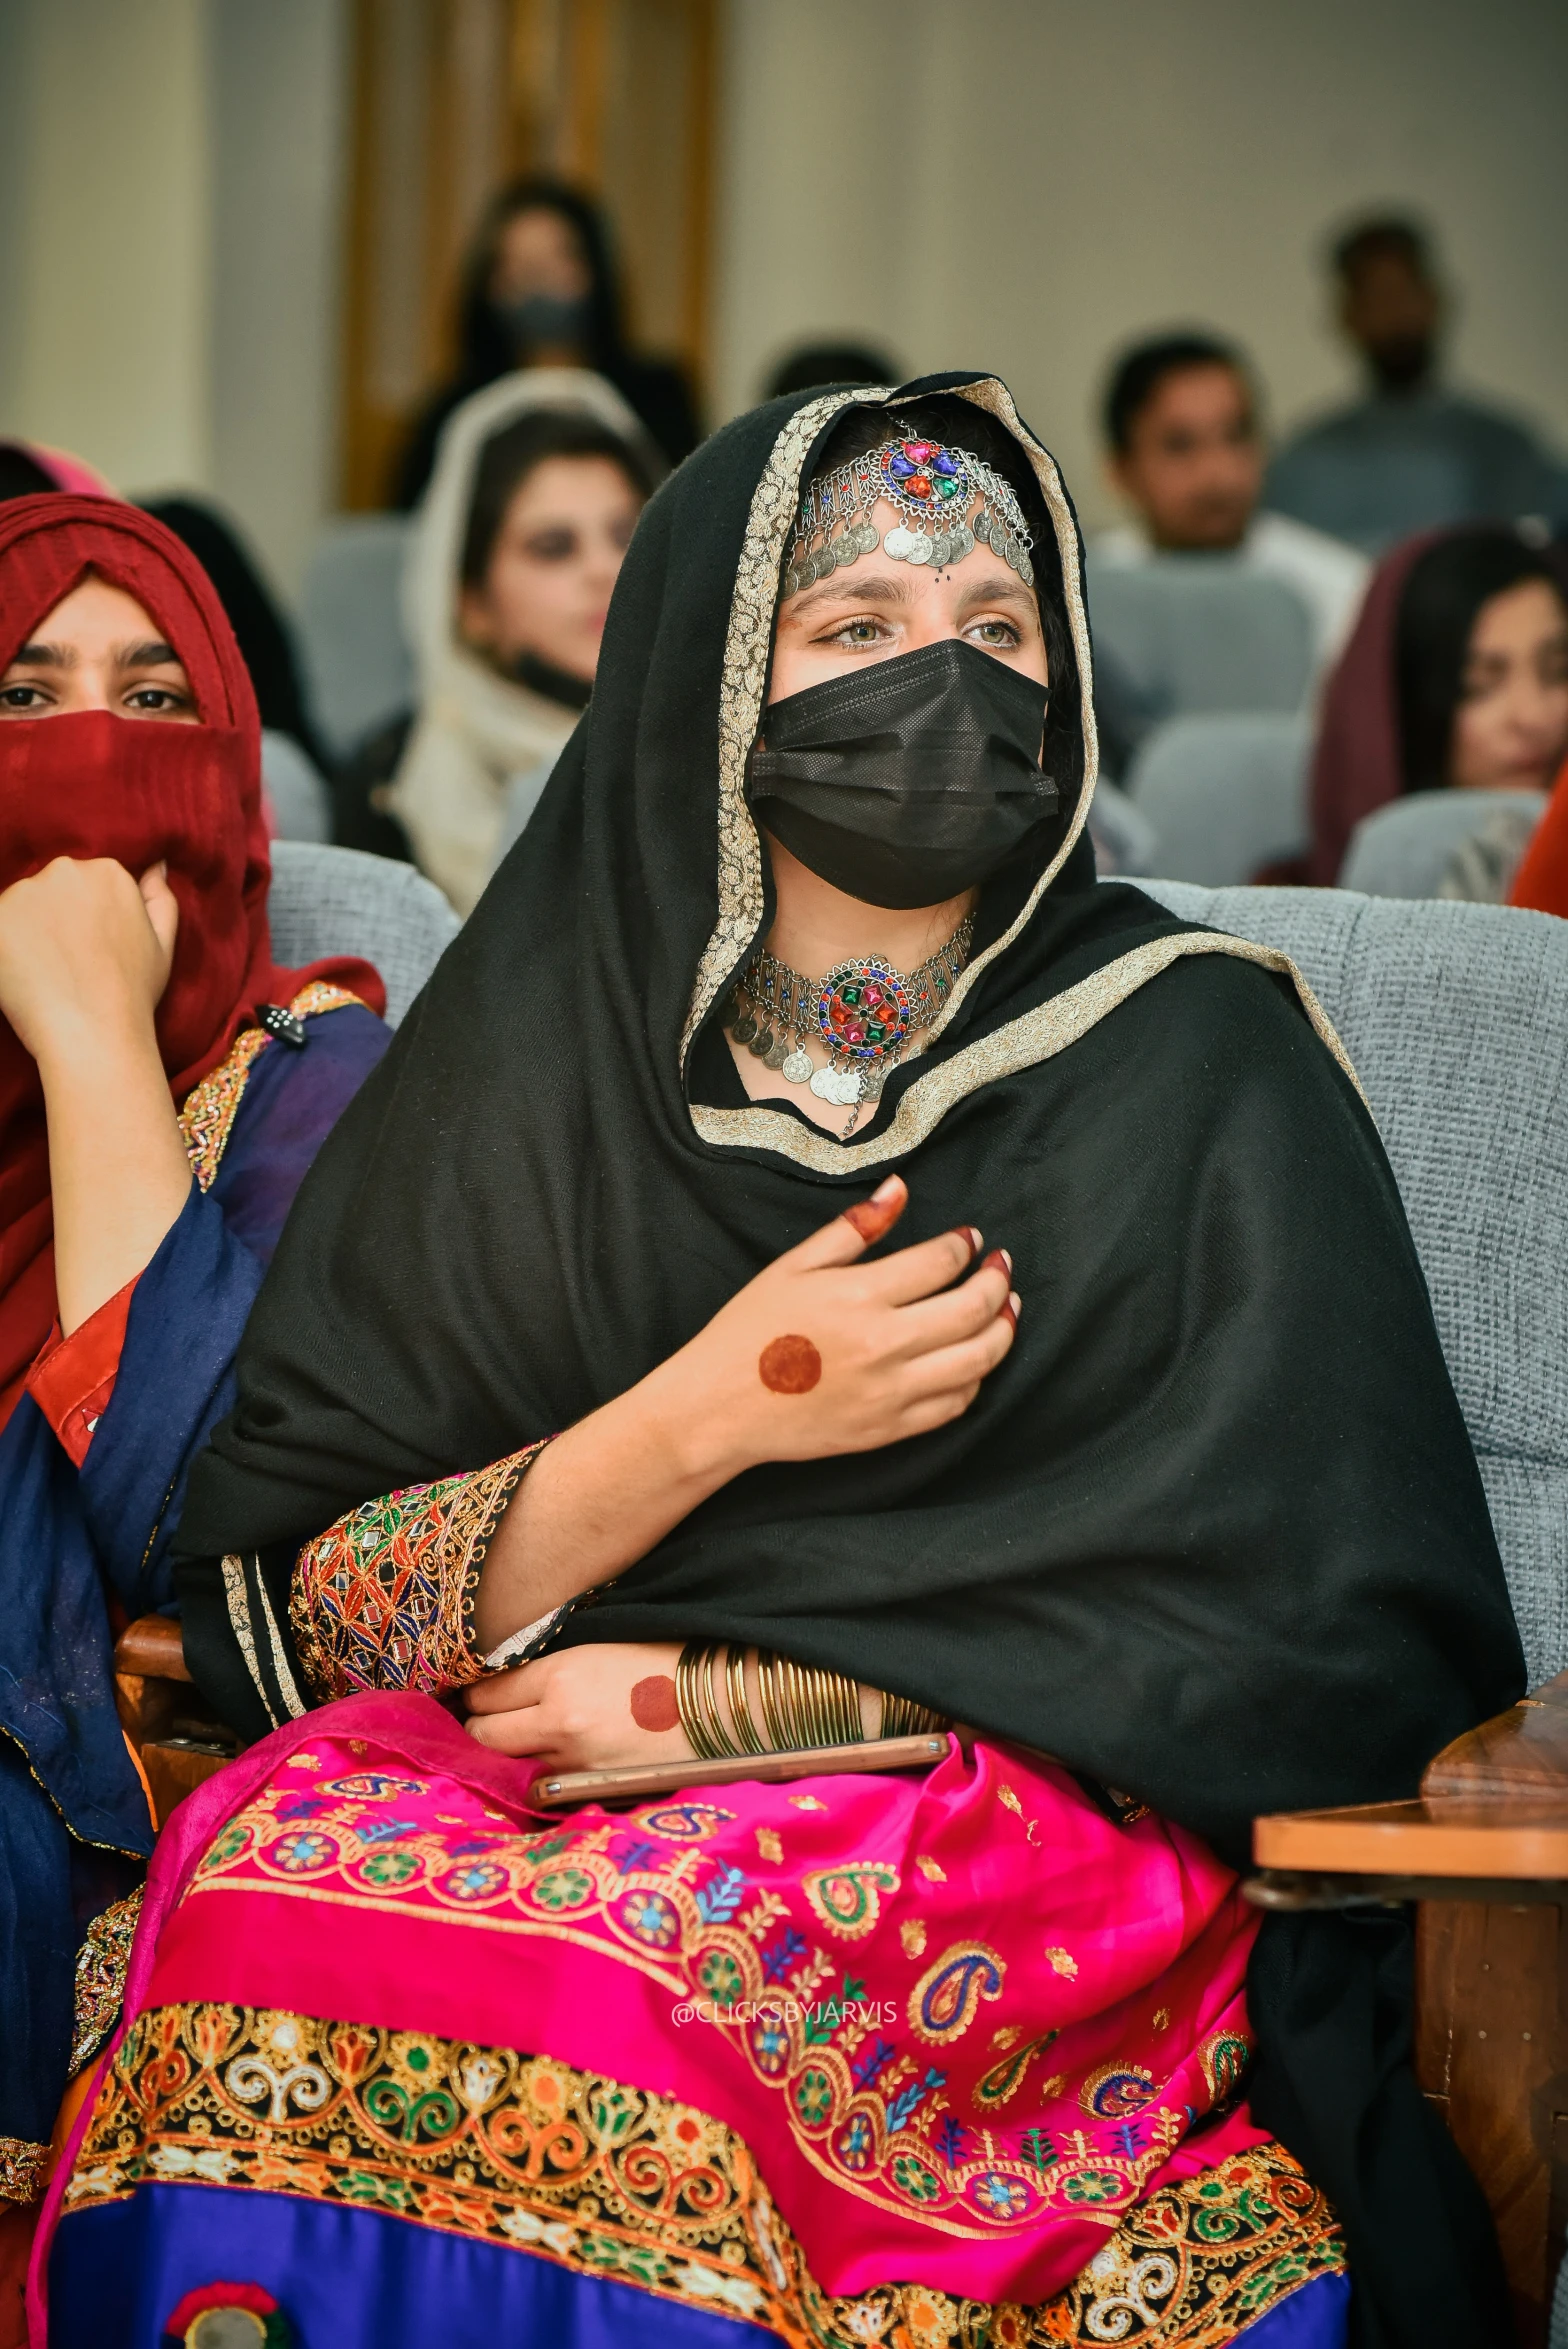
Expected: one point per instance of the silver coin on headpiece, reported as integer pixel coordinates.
(961, 542)
(898, 542)
(981, 527)
(941, 550)
(866, 532)
(919, 547)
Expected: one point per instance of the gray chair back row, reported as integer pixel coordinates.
(1404, 849)
(357, 668)
(1194, 633)
(1456, 1018)
(1225, 794)
(337, 901)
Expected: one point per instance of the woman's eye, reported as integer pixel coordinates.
(23, 697)
(553, 546)
(154, 697)
(997, 635)
(858, 632)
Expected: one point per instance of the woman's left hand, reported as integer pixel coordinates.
(590, 1708)
(84, 946)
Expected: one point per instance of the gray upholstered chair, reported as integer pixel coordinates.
(1193, 632)
(1225, 793)
(1456, 1017)
(1404, 849)
(339, 901)
(301, 802)
(357, 666)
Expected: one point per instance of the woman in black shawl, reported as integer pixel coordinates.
(1199, 1535)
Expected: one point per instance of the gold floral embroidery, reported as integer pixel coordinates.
(101, 1966)
(207, 1118)
(605, 2179)
(22, 2171)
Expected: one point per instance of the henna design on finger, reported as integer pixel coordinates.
(789, 1366)
(653, 1703)
(871, 1219)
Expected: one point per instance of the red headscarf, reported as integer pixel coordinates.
(1356, 762)
(1542, 879)
(97, 785)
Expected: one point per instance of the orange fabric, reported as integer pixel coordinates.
(73, 1378)
(1542, 879)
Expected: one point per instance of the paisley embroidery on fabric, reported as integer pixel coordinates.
(608, 2180)
(1224, 2058)
(1119, 2089)
(849, 1899)
(946, 1999)
(865, 2085)
(1003, 2081)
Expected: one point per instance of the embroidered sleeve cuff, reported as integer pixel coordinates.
(385, 1598)
(73, 1378)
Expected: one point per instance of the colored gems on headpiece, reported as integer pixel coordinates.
(948, 501)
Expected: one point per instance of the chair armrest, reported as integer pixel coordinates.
(1490, 1822)
(151, 1646)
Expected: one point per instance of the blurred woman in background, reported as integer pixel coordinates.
(541, 289)
(519, 542)
(153, 1131)
(29, 469)
(1456, 676)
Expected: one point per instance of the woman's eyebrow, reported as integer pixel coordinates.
(874, 590)
(151, 653)
(1003, 588)
(39, 655)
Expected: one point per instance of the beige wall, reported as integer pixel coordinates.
(169, 245)
(1024, 184)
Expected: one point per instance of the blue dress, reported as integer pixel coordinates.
(74, 1828)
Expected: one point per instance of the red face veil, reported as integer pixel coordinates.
(99, 785)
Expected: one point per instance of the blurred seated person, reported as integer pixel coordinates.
(265, 639)
(1456, 675)
(1186, 452)
(541, 289)
(1410, 454)
(809, 365)
(163, 1087)
(537, 489)
(29, 469)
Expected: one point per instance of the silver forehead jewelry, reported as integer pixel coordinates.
(865, 1011)
(948, 500)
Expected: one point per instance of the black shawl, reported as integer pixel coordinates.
(1213, 1534)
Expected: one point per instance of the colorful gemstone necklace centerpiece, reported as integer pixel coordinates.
(863, 1012)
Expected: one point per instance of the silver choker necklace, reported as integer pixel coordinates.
(864, 1011)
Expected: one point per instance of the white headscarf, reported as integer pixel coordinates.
(481, 745)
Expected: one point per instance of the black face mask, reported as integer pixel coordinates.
(541, 676)
(536, 321)
(909, 780)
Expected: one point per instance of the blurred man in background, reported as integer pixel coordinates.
(1411, 455)
(1186, 452)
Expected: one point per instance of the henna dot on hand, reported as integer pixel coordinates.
(871, 1220)
(790, 1366)
(653, 1703)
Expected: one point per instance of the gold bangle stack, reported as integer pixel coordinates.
(802, 1706)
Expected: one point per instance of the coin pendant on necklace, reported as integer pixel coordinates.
(762, 1044)
(898, 543)
(777, 1053)
(798, 1067)
(744, 1029)
(919, 548)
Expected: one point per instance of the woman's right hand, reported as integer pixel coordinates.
(85, 949)
(821, 1353)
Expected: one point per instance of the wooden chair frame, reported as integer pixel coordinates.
(1483, 1852)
